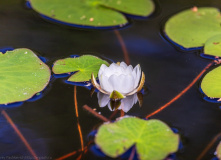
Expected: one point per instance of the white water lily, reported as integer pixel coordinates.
(119, 80)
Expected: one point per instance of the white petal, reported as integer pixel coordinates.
(101, 70)
(128, 102)
(122, 83)
(103, 99)
(104, 83)
(113, 66)
(119, 71)
(109, 106)
(123, 64)
(108, 72)
(137, 71)
(129, 70)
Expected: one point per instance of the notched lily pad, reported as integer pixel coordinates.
(218, 151)
(153, 139)
(84, 66)
(22, 75)
(213, 46)
(191, 28)
(98, 13)
(211, 83)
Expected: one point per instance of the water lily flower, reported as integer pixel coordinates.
(119, 80)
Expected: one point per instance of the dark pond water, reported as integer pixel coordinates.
(49, 124)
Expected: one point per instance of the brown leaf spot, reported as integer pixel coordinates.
(194, 9)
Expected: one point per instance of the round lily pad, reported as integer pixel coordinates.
(22, 75)
(211, 83)
(213, 46)
(98, 13)
(153, 139)
(218, 151)
(83, 67)
(191, 28)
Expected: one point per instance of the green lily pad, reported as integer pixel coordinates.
(98, 13)
(191, 28)
(22, 75)
(218, 151)
(213, 46)
(211, 83)
(84, 66)
(153, 139)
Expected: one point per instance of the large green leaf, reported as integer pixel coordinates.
(191, 28)
(153, 139)
(211, 83)
(93, 12)
(218, 151)
(84, 66)
(22, 74)
(213, 46)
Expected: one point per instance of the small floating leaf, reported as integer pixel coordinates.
(218, 151)
(213, 46)
(191, 28)
(92, 12)
(84, 66)
(153, 139)
(22, 74)
(211, 83)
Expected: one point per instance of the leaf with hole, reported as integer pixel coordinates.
(153, 139)
(193, 27)
(97, 13)
(22, 75)
(84, 66)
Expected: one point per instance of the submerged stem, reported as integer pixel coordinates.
(95, 113)
(123, 46)
(182, 92)
(77, 115)
(208, 146)
(18, 132)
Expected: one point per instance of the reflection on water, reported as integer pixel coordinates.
(124, 104)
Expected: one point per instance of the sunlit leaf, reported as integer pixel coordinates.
(153, 139)
(213, 46)
(22, 75)
(191, 28)
(84, 66)
(92, 12)
(211, 83)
